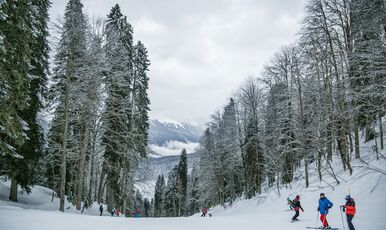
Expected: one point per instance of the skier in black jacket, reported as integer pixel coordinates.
(101, 209)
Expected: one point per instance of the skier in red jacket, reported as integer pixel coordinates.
(296, 207)
(204, 211)
(350, 210)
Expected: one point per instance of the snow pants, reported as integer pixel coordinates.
(296, 215)
(349, 222)
(324, 220)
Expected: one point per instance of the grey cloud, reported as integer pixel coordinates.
(202, 50)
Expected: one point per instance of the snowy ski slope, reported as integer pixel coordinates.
(267, 211)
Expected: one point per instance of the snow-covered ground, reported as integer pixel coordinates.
(267, 211)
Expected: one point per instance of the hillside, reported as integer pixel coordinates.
(155, 166)
(269, 210)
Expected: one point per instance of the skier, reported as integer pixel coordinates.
(350, 210)
(113, 212)
(204, 211)
(117, 212)
(101, 209)
(324, 206)
(296, 206)
(138, 213)
(289, 203)
(127, 213)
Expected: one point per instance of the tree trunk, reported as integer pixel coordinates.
(356, 136)
(13, 190)
(319, 164)
(369, 133)
(52, 196)
(90, 189)
(329, 142)
(376, 148)
(306, 172)
(107, 197)
(96, 187)
(381, 132)
(62, 188)
(125, 185)
(101, 185)
(303, 141)
(82, 161)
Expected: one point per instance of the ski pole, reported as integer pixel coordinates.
(317, 217)
(341, 215)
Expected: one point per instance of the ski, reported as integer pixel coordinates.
(322, 228)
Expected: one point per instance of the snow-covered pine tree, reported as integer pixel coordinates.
(70, 66)
(140, 99)
(158, 196)
(230, 153)
(193, 192)
(146, 208)
(170, 199)
(253, 161)
(14, 82)
(221, 176)
(29, 33)
(138, 201)
(182, 183)
(209, 189)
(117, 138)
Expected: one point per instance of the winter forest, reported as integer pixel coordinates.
(96, 91)
(74, 113)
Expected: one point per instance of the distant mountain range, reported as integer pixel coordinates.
(161, 132)
(166, 141)
(168, 138)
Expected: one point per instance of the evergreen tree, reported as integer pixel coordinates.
(14, 82)
(158, 196)
(193, 193)
(182, 183)
(29, 33)
(117, 120)
(253, 161)
(140, 99)
(69, 71)
(146, 208)
(209, 189)
(170, 197)
(138, 202)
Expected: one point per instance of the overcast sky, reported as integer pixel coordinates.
(201, 50)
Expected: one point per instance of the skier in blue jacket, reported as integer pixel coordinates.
(324, 206)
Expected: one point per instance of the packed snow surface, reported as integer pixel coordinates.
(267, 211)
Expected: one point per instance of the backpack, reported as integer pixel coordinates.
(294, 203)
